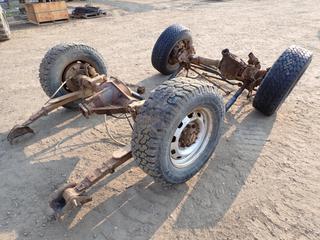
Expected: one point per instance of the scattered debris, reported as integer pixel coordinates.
(88, 12)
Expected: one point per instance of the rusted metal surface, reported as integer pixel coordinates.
(105, 95)
(229, 69)
(108, 95)
(134, 107)
(189, 135)
(114, 97)
(72, 195)
(79, 79)
(250, 73)
(112, 93)
(206, 61)
(102, 95)
(52, 104)
(72, 75)
(181, 52)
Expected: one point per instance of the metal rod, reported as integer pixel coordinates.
(223, 80)
(55, 93)
(209, 80)
(137, 95)
(119, 157)
(207, 69)
(234, 98)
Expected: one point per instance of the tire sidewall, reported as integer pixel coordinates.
(178, 175)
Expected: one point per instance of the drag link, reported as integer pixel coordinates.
(224, 80)
(209, 80)
(207, 69)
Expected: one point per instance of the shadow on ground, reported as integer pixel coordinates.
(227, 171)
(140, 210)
(144, 208)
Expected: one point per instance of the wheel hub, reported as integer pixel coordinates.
(189, 135)
(73, 70)
(190, 138)
(181, 52)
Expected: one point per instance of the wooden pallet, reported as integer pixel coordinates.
(50, 22)
(94, 15)
(39, 13)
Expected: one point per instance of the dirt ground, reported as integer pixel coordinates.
(261, 183)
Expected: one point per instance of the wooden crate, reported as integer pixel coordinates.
(46, 12)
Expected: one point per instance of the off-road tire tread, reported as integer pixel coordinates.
(147, 131)
(281, 79)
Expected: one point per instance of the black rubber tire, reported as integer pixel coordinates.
(58, 58)
(281, 79)
(5, 32)
(165, 44)
(160, 116)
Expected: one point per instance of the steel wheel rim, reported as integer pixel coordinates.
(183, 156)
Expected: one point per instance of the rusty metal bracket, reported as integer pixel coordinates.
(72, 195)
(22, 129)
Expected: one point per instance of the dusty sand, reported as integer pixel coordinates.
(261, 183)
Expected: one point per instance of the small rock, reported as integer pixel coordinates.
(43, 225)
